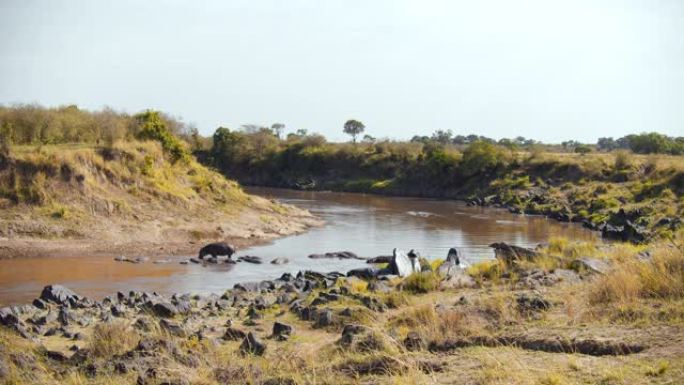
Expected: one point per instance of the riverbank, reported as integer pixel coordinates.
(569, 313)
(625, 196)
(127, 199)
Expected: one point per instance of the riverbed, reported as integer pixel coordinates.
(368, 225)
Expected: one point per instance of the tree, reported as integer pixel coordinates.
(582, 149)
(278, 129)
(353, 127)
(441, 136)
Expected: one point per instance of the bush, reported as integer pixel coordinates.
(483, 158)
(152, 127)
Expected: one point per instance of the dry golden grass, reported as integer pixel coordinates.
(112, 338)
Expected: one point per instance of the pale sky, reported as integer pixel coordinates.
(549, 70)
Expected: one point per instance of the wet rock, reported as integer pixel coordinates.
(511, 253)
(141, 260)
(281, 331)
(251, 345)
(280, 261)
(164, 309)
(402, 265)
(250, 259)
(591, 265)
(336, 254)
(60, 295)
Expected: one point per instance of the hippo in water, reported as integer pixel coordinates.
(217, 249)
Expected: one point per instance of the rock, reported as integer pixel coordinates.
(161, 261)
(40, 304)
(251, 345)
(380, 259)
(281, 331)
(452, 264)
(251, 259)
(56, 356)
(591, 265)
(280, 261)
(164, 309)
(325, 318)
(195, 260)
(349, 333)
(566, 275)
(121, 258)
(366, 273)
(233, 334)
(414, 342)
(7, 317)
(248, 286)
(531, 303)
(511, 253)
(60, 295)
(402, 265)
(172, 327)
(457, 278)
(336, 254)
(141, 259)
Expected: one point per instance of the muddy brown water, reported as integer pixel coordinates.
(368, 225)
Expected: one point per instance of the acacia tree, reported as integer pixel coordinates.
(278, 129)
(353, 127)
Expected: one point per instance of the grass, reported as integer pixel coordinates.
(112, 338)
(421, 282)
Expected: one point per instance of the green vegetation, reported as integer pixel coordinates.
(598, 189)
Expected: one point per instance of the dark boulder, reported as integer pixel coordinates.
(380, 259)
(251, 259)
(7, 317)
(336, 254)
(251, 345)
(511, 253)
(173, 328)
(366, 273)
(164, 309)
(60, 295)
(233, 334)
(281, 331)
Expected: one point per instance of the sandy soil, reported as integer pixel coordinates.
(151, 233)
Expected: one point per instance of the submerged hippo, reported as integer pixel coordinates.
(217, 249)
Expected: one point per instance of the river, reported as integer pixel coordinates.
(368, 225)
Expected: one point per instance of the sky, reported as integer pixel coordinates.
(548, 70)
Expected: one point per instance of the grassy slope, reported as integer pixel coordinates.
(128, 195)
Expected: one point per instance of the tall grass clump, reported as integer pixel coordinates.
(423, 282)
(662, 277)
(110, 339)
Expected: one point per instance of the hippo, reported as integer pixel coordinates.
(217, 249)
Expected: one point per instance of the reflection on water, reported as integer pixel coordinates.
(368, 225)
